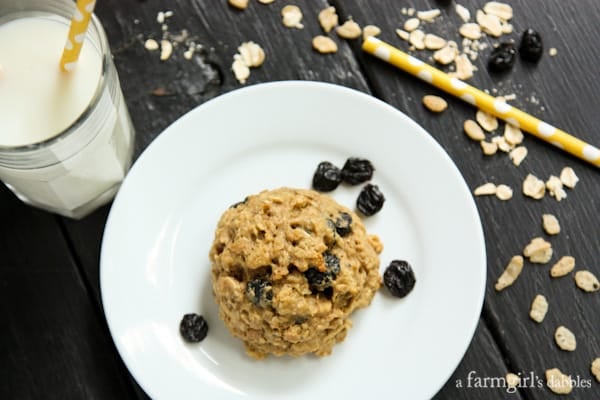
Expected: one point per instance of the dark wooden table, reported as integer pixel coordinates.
(54, 341)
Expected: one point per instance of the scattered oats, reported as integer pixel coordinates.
(518, 154)
(507, 28)
(512, 134)
(151, 45)
(555, 188)
(266, 1)
(434, 42)
(595, 368)
(539, 308)
(564, 266)
(464, 68)
(565, 339)
(292, 16)
(463, 13)
(488, 148)
(568, 177)
(160, 17)
(239, 4)
(403, 34)
(510, 274)
(429, 15)
(371, 31)
(512, 380)
(252, 54)
(473, 130)
(470, 30)
(485, 189)
(324, 44)
(534, 187)
(410, 11)
(166, 49)
(538, 251)
(550, 224)
(486, 120)
(434, 103)
(411, 24)
(500, 10)
(349, 30)
(240, 69)
(558, 382)
(552, 52)
(446, 54)
(502, 144)
(328, 18)
(587, 281)
(416, 38)
(489, 23)
(504, 192)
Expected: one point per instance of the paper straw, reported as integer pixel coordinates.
(482, 100)
(77, 32)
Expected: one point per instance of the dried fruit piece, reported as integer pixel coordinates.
(318, 280)
(539, 308)
(486, 120)
(446, 55)
(568, 177)
(399, 278)
(324, 44)
(370, 200)
(538, 251)
(417, 39)
(357, 170)
(558, 382)
(434, 103)
(328, 18)
(504, 192)
(292, 16)
(343, 224)
(488, 148)
(502, 57)
(463, 13)
(489, 23)
(193, 328)
(565, 339)
(587, 281)
(411, 24)
(260, 292)
(349, 30)
(327, 177)
(470, 30)
(550, 224)
(595, 368)
(564, 266)
(512, 380)
(555, 188)
(370, 31)
(239, 4)
(531, 47)
(510, 274)
(534, 187)
(429, 15)
(500, 10)
(485, 190)
(252, 54)
(518, 154)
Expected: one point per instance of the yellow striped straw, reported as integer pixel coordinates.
(77, 32)
(482, 100)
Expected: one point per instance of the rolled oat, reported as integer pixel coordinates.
(486, 120)
(539, 308)
(538, 251)
(587, 281)
(534, 187)
(568, 177)
(349, 30)
(518, 154)
(473, 130)
(486, 189)
(595, 368)
(550, 224)
(488, 148)
(371, 31)
(292, 16)
(434, 103)
(510, 274)
(558, 382)
(504, 192)
(328, 18)
(324, 44)
(555, 188)
(565, 339)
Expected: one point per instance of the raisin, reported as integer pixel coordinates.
(357, 170)
(370, 200)
(260, 292)
(399, 278)
(193, 327)
(343, 224)
(502, 58)
(320, 281)
(531, 47)
(327, 177)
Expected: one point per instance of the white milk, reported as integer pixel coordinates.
(38, 101)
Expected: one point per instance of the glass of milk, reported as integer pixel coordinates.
(66, 139)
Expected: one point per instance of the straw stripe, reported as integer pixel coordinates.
(77, 32)
(483, 101)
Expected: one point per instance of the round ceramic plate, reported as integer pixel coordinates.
(155, 267)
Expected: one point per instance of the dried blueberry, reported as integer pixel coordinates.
(502, 58)
(343, 224)
(399, 278)
(327, 177)
(531, 47)
(357, 170)
(260, 292)
(320, 281)
(193, 327)
(370, 200)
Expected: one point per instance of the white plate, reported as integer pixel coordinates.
(154, 260)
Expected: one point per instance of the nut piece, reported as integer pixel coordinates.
(558, 382)
(324, 44)
(485, 190)
(446, 54)
(370, 31)
(513, 135)
(151, 45)
(417, 39)
(434, 103)
(470, 30)
(518, 154)
(411, 24)
(587, 281)
(349, 30)
(562, 267)
(538, 251)
(486, 120)
(539, 308)
(550, 224)
(434, 42)
(500, 10)
(463, 13)
(565, 339)
(568, 177)
(252, 54)
(489, 148)
(595, 368)
(510, 274)
(473, 130)
(489, 23)
(512, 380)
(166, 49)
(292, 16)
(328, 18)
(533, 187)
(240, 69)
(504, 192)
(239, 4)
(428, 15)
